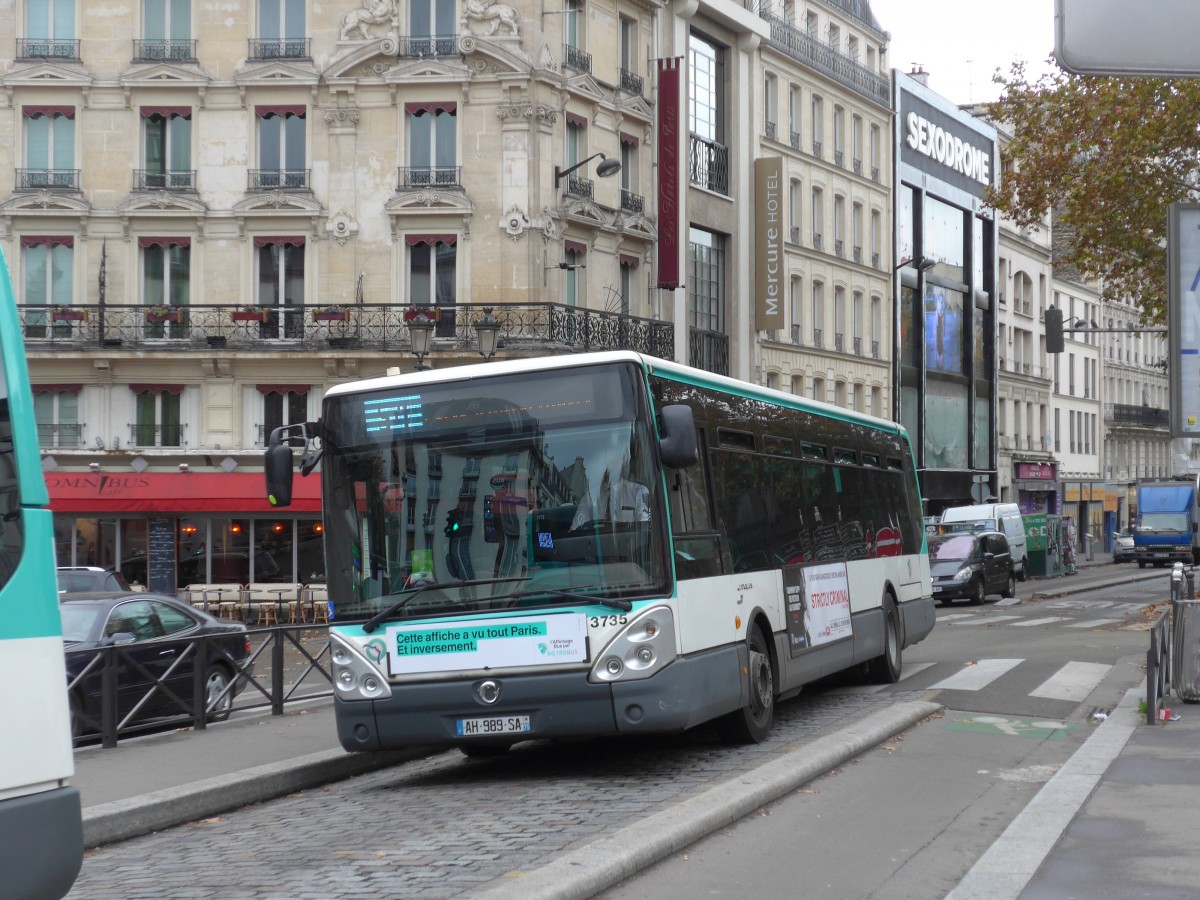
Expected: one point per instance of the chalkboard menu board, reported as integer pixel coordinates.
(160, 574)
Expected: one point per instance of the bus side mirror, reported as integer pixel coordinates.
(677, 447)
(277, 467)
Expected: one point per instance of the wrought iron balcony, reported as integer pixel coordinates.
(770, 130)
(857, 254)
(29, 49)
(874, 173)
(874, 349)
(818, 342)
(709, 164)
(631, 202)
(816, 145)
(802, 46)
(795, 234)
(61, 435)
(818, 241)
(47, 179)
(858, 346)
(580, 186)
(839, 159)
(632, 82)
(160, 50)
(422, 47)
(795, 140)
(796, 336)
(839, 341)
(857, 164)
(1131, 414)
(839, 247)
(275, 48)
(277, 179)
(577, 59)
(428, 176)
(164, 180)
(525, 329)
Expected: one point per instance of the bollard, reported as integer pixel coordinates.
(1090, 540)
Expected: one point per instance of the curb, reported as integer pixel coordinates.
(1008, 865)
(586, 871)
(1132, 578)
(120, 820)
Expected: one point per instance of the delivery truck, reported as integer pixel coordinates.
(1167, 519)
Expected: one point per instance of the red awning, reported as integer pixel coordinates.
(280, 109)
(283, 388)
(60, 388)
(268, 240)
(577, 120)
(43, 110)
(431, 106)
(414, 240)
(33, 240)
(166, 111)
(575, 246)
(629, 139)
(630, 261)
(156, 388)
(168, 492)
(164, 242)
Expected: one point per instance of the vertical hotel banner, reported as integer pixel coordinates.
(768, 243)
(670, 103)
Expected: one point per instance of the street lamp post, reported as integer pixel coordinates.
(420, 331)
(606, 168)
(487, 330)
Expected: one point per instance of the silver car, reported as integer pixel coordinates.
(1123, 545)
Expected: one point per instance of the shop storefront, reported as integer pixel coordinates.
(1036, 486)
(166, 530)
(945, 261)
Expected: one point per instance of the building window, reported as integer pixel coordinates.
(876, 326)
(157, 417)
(769, 105)
(433, 276)
(167, 150)
(432, 27)
(706, 115)
(818, 313)
(839, 225)
(57, 414)
(50, 30)
(166, 30)
(839, 318)
(839, 136)
(281, 149)
(49, 148)
(280, 285)
(706, 283)
(818, 124)
(166, 278)
(281, 30)
(432, 144)
(283, 405)
(818, 218)
(48, 265)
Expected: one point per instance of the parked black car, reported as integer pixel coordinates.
(971, 566)
(75, 579)
(155, 633)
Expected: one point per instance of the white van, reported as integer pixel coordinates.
(1002, 517)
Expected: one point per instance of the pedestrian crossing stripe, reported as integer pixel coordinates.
(1046, 621)
(985, 620)
(978, 676)
(1074, 681)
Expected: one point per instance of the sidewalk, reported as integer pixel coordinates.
(1125, 805)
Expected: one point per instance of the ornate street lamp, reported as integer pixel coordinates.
(488, 331)
(606, 168)
(420, 331)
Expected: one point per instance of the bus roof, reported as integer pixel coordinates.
(665, 368)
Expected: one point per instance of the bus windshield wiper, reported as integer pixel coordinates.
(374, 622)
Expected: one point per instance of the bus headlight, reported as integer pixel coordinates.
(354, 676)
(639, 650)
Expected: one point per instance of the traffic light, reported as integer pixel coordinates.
(453, 523)
(1054, 330)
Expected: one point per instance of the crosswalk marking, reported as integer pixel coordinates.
(1074, 681)
(1091, 623)
(911, 669)
(1046, 621)
(978, 676)
(988, 620)
(949, 616)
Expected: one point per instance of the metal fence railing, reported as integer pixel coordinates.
(286, 664)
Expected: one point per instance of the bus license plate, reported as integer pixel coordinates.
(492, 725)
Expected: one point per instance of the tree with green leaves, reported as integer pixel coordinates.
(1108, 156)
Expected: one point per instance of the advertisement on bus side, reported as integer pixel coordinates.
(818, 605)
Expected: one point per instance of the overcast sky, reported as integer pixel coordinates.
(960, 44)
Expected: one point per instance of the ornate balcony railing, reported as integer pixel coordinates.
(1131, 414)
(795, 136)
(580, 186)
(421, 47)
(166, 435)
(47, 48)
(577, 59)
(632, 82)
(47, 179)
(771, 129)
(804, 47)
(525, 329)
(62, 435)
(428, 176)
(277, 179)
(631, 202)
(276, 48)
(160, 50)
(160, 180)
(709, 164)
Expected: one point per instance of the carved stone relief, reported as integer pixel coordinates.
(372, 13)
(499, 17)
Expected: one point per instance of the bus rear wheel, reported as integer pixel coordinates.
(752, 723)
(885, 668)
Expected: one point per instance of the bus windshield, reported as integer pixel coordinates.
(537, 490)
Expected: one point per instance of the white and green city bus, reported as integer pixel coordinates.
(41, 831)
(601, 544)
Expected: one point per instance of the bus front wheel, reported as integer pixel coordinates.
(752, 723)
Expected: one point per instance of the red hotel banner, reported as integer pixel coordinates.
(670, 98)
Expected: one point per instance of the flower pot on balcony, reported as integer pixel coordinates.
(69, 315)
(331, 315)
(249, 315)
(429, 313)
(164, 315)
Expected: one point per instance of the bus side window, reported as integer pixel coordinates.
(697, 546)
